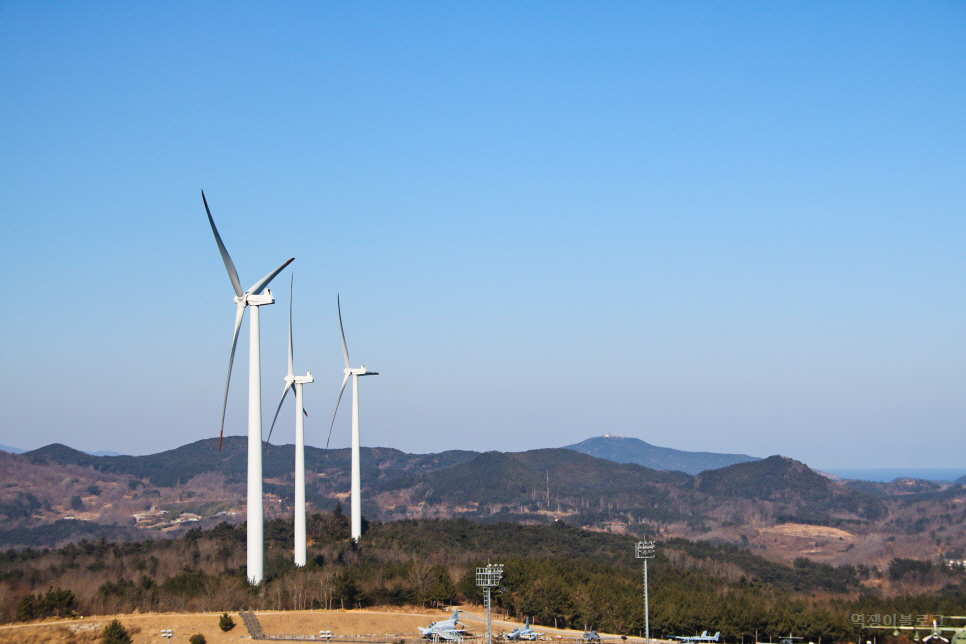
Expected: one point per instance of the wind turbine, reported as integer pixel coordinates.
(254, 298)
(356, 502)
(295, 382)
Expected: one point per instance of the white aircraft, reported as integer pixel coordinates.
(451, 630)
(522, 633)
(957, 634)
(694, 639)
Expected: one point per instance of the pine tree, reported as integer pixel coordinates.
(114, 633)
(226, 623)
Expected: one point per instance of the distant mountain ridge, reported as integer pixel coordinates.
(633, 450)
(17, 450)
(42, 489)
(531, 485)
(179, 465)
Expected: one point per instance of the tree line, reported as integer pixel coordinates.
(557, 575)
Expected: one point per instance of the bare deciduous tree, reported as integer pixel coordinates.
(420, 575)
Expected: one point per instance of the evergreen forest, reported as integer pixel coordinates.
(558, 575)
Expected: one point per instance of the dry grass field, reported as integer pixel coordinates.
(382, 625)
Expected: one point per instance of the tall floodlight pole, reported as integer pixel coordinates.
(645, 550)
(487, 578)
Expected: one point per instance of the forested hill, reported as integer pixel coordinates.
(784, 480)
(556, 575)
(544, 479)
(633, 450)
(548, 484)
(538, 485)
(541, 478)
(181, 464)
(55, 494)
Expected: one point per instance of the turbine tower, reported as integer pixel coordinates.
(254, 298)
(356, 500)
(295, 382)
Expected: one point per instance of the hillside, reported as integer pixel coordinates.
(55, 495)
(634, 450)
(539, 485)
(899, 487)
(180, 465)
(783, 480)
(556, 575)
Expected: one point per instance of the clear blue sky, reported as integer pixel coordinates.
(723, 226)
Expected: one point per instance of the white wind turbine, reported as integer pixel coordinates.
(355, 512)
(254, 298)
(295, 382)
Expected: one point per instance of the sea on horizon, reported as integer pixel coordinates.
(887, 474)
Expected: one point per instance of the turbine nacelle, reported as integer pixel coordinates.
(302, 379)
(253, 299)
(361, 371)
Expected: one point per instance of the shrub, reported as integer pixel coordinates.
(226, 623)
(54, 603)
(197, 638)
(114, 633)
(914, 568)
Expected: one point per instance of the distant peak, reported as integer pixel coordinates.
(622, 449)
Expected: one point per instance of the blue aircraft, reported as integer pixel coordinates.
(696, 639)
(450, 629)
(522, 633)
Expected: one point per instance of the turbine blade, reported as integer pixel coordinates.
(277, 409)
(262, 283)
(332, 424)
(291, 359)
(345, 349)
(239, 314)
(232, 273)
